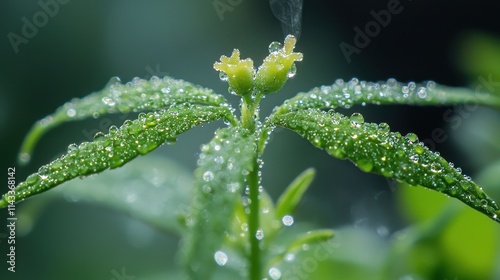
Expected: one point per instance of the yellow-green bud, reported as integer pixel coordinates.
(277, 67)
(238, 73)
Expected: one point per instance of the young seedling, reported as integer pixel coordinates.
(229, 208)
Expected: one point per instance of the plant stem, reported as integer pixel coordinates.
(248, 120)
(253, 223)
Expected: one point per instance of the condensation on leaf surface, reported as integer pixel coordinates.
(113, 150)
(135, 96)
(374, 149)
(222, 166)
(348, 93)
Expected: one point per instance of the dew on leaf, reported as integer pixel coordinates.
(71, 113)
(357, 118)
(220, 258)
(259, 234)
(293, 70)
(274, 273)
(412, 137)
(287, 220)
(275, 47)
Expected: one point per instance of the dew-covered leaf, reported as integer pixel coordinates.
(113, 150)
(293, 193)
(373, 148)
(223, 166)
(346, 94)
(135, 96)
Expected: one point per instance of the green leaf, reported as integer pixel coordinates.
(113, 150)
(347, 94)
(373, 148)
(293, 194)
(135, 96)
(223, 165)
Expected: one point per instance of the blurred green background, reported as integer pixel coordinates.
(86, 42)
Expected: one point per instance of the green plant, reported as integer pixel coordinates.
(220, 223)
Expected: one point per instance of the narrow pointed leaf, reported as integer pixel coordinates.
(135, 96)
(293, 194)
(134, 138)
(347, 94)
(373, 148)
(223, 165)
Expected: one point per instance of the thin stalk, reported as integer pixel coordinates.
(248, 119)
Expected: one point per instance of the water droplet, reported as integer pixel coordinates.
(292, 72)
(166, 90)
(287, 220)
(357, 118)
(220, 258)
(422, 92)
(113, 129)
(71, 112)
(233, 187)
(99, 136)
(405, 90)
(43, 172)
(219, 160)
(206, 188)
(290, 257)
(274, 47)
(383, 127)
(431, 84)
(436, 167)
(412, 137)
(414, 158)
(223, 76)
(95, 115)
(259, 234)
(274, 273)
(208, 176)
(72, 147)
(108, 101)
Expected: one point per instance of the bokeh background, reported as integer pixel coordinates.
(86, 42)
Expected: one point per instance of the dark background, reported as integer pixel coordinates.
(87, 42)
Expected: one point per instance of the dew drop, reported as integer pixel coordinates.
(414, 158)
(223, 76)
(274, 47)
(219, 160)
(220, 258)
(383, 127)
(412, 137)
(208, 176)
(292, 72)
(71, 113)
(274, 273)
(287, 220)
(259, 234)
(72, 147)
(113, 129)
(165, 90)
(290, 257)
(108, 101)
(99, 136)
(357, 118)
(436, 167)
(422, 92)
(206, 188)
(431, 84)
(43, 172)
